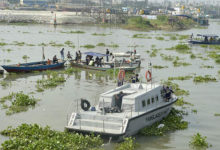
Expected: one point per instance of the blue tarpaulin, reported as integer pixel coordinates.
(95, 54)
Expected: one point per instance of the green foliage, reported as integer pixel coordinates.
(70, 44)
(180, 78)
(173, 38)
(206, 78)
(181, 102)
(100, 34)
(73, 32)
(127, 144)
(181, 48)
(177, 63)
(33, 137)
(174, 121)
(154, 53)
(159, 38)
(141, 36)
(113, 45)
(217, 115)
(19, 43)
(25, 57)
(176, 89)
(53, 80)
(138, 23)
(101, 44)
(159, 67)
(88, 46)
(192, 56)
(206, 66)
(54, 44)
(5, 84)
(18, 102)
(168, 57)
(71, 70)
(199, 141)
(183, 37)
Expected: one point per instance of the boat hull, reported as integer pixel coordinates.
(34, 66)
(74, 64)
(203, 42)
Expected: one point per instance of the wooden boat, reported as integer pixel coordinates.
(33, 66)
(104, 68)
(208, 39)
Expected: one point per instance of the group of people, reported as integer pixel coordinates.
(90, 61)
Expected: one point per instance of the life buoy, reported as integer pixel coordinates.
(121, 75)
(148, 76)
(85, 105)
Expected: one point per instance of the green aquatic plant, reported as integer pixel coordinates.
(71, 70)
(154, 53)
(192, 56)
(53, 80)
(206, 66)
(173, 38)
(100, 34)
(159, 38)
(181, 102)
(141, 36)
(219, 72)
(70, 44)
(30, 45)
(25, 57)
(167, 57)
(113, 45)
(183, 37)
(177, 63)
(19, 102)
(199, 141)
(19, 43)
(181, 48)
(194, 111)
(54, 44)
(217, 115)
(3, 44)
(206, 78)
(159, 67)
(32, 137)
(73, 32)
(88, 46)
(127, 144)
(5, 84)
(101, 44)
(177, 90)
(180, 78)
(174, 121)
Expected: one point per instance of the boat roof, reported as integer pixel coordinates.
(208, 35)
(95, 54)
(124, 54)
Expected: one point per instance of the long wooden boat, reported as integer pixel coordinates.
(33, 66)
(107, 67)
(208, 39)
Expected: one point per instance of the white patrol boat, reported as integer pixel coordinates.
(123, 111)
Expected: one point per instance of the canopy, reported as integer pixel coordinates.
(208, 35)
(95, 54)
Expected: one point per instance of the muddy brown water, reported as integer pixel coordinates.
(52, 108)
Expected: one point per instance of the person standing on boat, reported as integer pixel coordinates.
(191, 36)
(107, 54)
(80, 56)
(77, 56)
(69, 56)
(55, 60)
(62, 53)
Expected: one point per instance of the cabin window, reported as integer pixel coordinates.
(152, 100)
(157, 98)
(143, 103)
(148, 102)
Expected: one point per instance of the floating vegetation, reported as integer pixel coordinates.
(19, 43)
(219, 72)
(159, 67)
(177, 63)
(101, 44)
(194, 111)
(53, 80)
(71, 70)
(180, 78)
(54, 44)
(159, 38)
(5, 84)
(214, 55)
(42, 44)
(30, 45)
(173, 38)
(19, 102)
(199, 141)
(217, 115)
(27, 136)
(174, 121)
(127, 144)
(168, 57)
(154, 53)
(181, 102)
(181, 48)
(183, 37)
(206, 78)
(25, 57)
(3, 44)
(25, 32)
(100, 34)
(176, 89)
(73, 32)
(113, 45)
(88, 46)
(70, 44)
(206, 66)
(141, 36)
(192, 56)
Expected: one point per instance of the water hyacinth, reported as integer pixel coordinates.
(174, 121)
(18, 102)
(27, 136)
(199, 141)
(206, 78)
(127, 144)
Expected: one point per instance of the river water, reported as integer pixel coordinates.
(54, 104)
